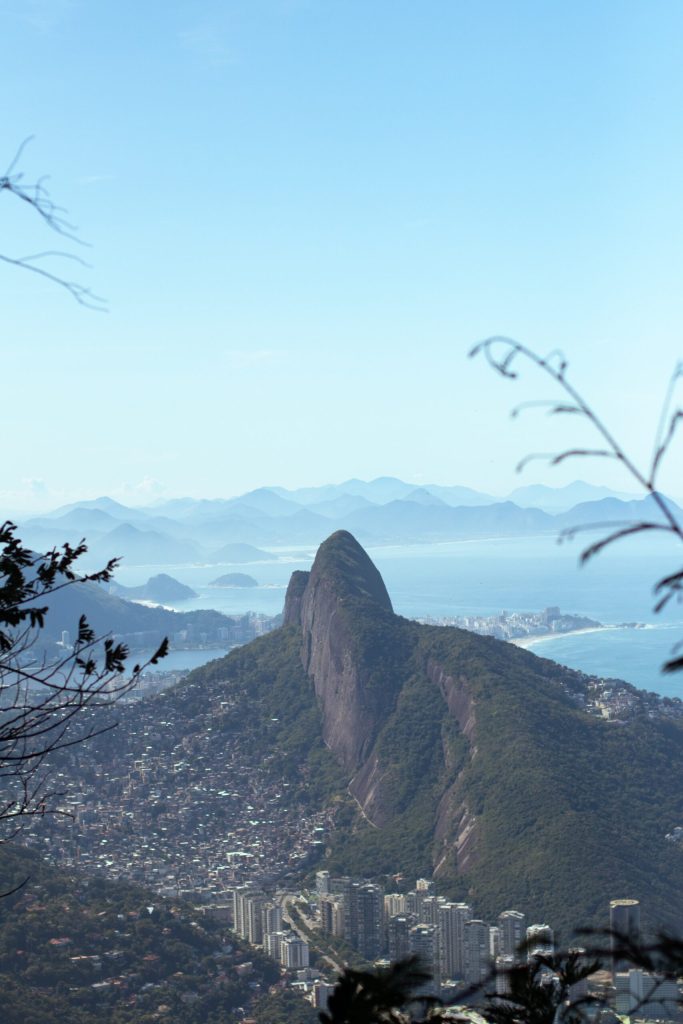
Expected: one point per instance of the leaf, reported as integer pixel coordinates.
(160, 653)
(86, 634)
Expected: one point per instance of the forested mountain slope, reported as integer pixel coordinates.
(429, 749)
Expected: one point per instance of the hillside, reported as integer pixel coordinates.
(139, 626)
(99, 952)
(420, 749)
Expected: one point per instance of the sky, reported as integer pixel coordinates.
(302, 214)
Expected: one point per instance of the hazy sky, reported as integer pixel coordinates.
(304, 212)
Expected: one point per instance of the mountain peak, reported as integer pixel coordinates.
(341, 567)
(343, 563)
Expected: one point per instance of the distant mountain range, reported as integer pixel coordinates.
(383, 511)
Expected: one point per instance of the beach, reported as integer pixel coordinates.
(528, 642)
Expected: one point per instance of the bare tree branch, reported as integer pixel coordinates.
(38, 198)
(502, 353)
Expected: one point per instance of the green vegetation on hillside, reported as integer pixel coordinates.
(280, 706)
(97, 952)
(569, 810)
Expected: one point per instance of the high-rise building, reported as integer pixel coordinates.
(452, 919)
(504, 965)
(394, 903)
(331, 911)
(424, 885)
(248, 905)
(369, 936)
(424, 942)
(322, 882)
(512, 929)
(271, 914)
(429, 911)
(273, 945)
(579, 990)
(624, 924)
(398, 930)
(322, 990)
(540, 941)
(294, 952)
(363, 906)
(414, 900)
(237, 911)
(477, 957)
(254, 918)
(347, 889)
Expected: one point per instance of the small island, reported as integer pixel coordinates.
(234, 579)
(159, 589)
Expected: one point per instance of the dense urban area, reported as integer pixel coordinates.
(194, 819)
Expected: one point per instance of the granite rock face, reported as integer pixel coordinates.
(332, 606)
(326, 604)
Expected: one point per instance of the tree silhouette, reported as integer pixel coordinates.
(504, 356)
(42, 697)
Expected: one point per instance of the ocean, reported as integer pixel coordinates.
(488, 576)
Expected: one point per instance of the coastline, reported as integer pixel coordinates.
(527, 642)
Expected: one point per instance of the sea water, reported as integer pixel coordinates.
(485, 577)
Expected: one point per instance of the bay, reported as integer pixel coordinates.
(486, 577)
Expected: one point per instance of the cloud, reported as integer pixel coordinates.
(30, 495)
(36, 487)
(145, 490)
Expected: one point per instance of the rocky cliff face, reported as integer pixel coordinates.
(332, 606)
(326, 604)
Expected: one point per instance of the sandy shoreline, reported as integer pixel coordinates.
(530, 641)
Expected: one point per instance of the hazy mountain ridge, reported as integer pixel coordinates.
(383, 511)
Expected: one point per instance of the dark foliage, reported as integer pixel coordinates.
(44, 691)
(379, 997)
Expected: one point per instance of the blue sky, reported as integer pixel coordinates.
(302, 215)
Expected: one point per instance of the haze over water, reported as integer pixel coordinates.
(486, 577)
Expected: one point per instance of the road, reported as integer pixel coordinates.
(288, 900)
